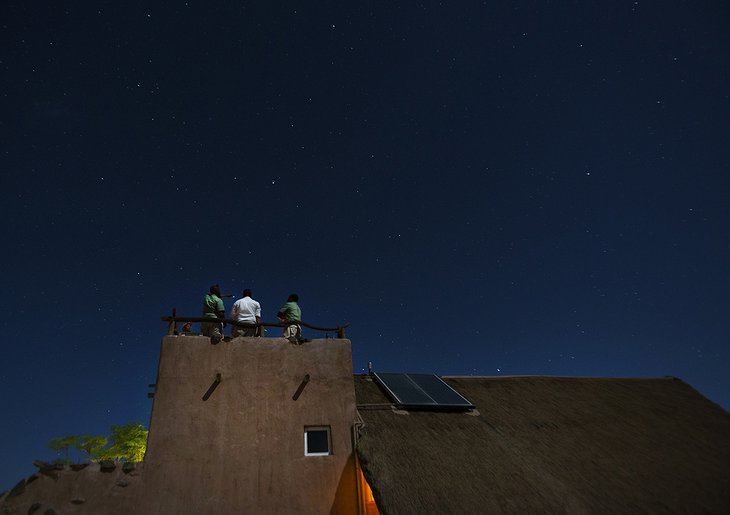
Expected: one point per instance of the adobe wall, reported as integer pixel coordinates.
(242, 449)
(110, 489)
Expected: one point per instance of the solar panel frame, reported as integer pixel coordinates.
(421, 391)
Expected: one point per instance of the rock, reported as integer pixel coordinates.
(123, 483)
(78, 500)
(50, 511)
(34, 507)
(42, 465)
(128, 467)
(48, 469)
(107, 465)
(79, 466)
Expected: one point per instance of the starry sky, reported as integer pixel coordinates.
(486, 188)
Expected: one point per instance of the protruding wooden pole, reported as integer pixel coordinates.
(172, 326)
(213, 386)
(301, 387)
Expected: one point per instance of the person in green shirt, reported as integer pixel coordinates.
(290, 312)
(213, 308)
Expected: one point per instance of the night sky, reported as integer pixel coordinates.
(496, 188)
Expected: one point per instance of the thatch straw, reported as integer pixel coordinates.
(550, 445)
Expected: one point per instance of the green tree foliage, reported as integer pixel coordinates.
(92, 446)
(127, 443)
(63, 444)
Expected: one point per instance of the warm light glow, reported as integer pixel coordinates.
(368, 492)
(368, 506)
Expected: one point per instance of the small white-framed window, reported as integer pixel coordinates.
(317, 441)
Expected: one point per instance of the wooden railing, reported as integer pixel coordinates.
(173, 320)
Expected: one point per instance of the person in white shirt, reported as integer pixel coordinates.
(246, 310)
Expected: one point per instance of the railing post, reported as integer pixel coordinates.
(172, 326)
(260, 327)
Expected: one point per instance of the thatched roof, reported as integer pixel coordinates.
(549, 445)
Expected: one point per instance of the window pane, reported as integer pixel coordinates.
(317, 442)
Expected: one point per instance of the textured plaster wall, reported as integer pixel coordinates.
(50, 491)
(242, 449)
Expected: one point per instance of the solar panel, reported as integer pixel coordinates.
(421, 390)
